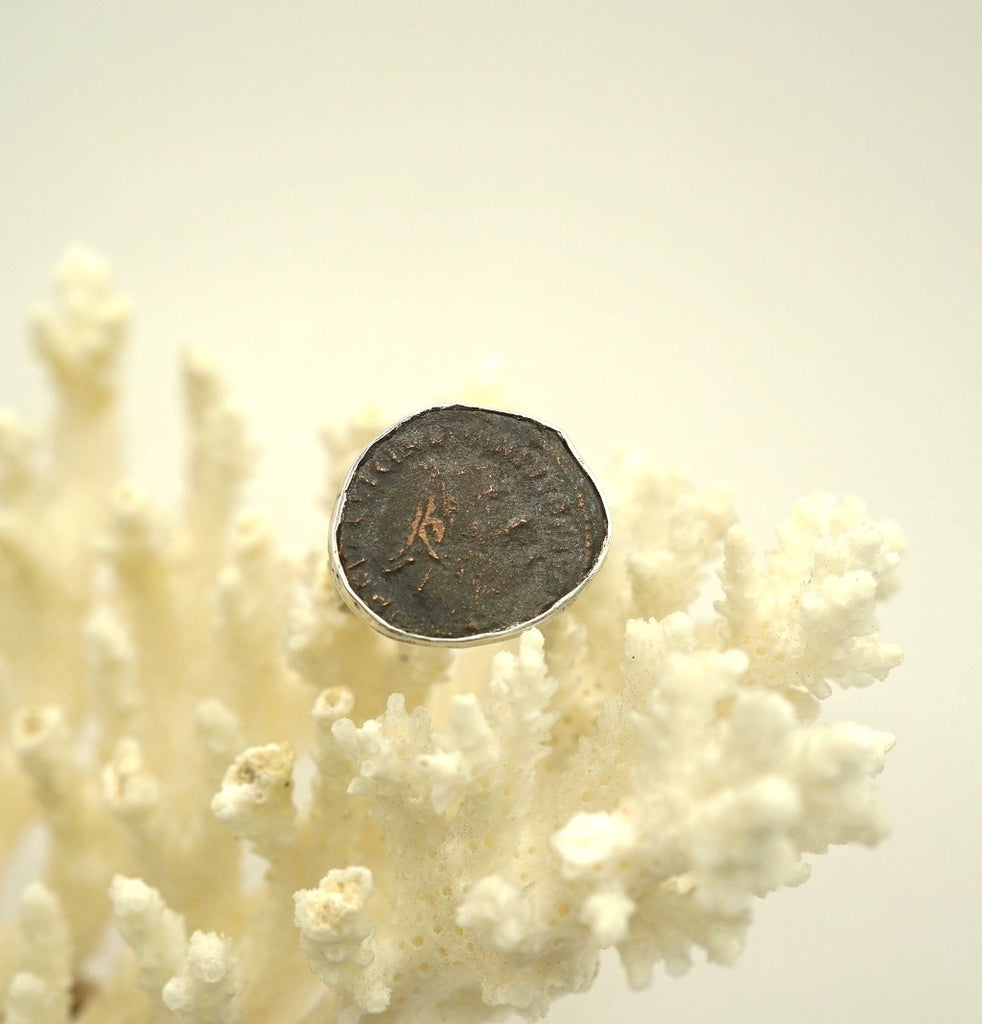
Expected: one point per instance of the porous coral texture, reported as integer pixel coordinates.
(282, 816)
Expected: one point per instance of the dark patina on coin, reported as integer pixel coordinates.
(462, 525)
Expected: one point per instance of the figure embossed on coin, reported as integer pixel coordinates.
(463, 525)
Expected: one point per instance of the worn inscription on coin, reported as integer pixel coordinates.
(463, 525)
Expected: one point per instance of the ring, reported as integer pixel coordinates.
(462, 525)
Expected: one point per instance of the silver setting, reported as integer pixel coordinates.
(355, 603)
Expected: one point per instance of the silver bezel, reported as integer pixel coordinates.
(355, 603)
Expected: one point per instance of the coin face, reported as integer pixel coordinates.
(463, 525)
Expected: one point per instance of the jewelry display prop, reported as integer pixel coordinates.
(236, 802)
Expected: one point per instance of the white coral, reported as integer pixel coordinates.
(205, 992)
(39, 991)
(335, 934)
(349, 827)
(152, 930)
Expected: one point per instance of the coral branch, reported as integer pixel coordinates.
(353, 829)
(39, 992)
(153, 932)
(206, 991)
(335, 933)
(255, 801)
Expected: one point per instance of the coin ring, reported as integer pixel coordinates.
(462, 525)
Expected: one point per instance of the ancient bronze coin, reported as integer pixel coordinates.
(462, 525)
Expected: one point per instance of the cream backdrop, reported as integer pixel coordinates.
(742, 236)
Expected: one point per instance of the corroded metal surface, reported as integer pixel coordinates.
(463, 525)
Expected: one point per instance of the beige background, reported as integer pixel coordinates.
(743, 236)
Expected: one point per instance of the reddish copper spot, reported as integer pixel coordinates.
(422, 523)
